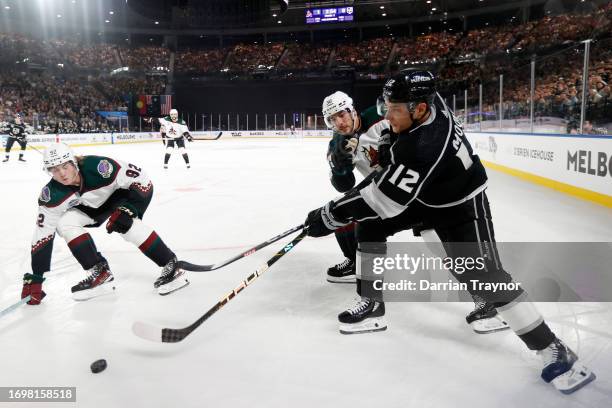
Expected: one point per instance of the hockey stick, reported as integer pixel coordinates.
(218, 136)
(205, 268)
(166, 335)
(15, 306)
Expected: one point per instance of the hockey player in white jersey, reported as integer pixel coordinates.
(362, 141)
(84, 192)
(354, 145)
(174, 130)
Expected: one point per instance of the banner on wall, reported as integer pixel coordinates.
(581, 161)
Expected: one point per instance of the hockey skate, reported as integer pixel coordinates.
(485, 319)
(366, 315)
(165, 166)
(562, 368)
(172, 278)
(5, 160)
(21, 159)
(98, 283)
(344, 272)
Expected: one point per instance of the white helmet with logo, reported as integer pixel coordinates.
(174, 115)
(56, 154)
(334, 103)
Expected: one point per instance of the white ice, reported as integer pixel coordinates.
(277, 343)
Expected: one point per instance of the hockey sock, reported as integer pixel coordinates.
(186, 158)
(149, 243)
(365, 278)
(166, 158)
(347, 241)
(522, 317)
(84, 250)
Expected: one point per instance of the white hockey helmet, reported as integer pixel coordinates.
(334, 103)
(56, 154)
(174, 115)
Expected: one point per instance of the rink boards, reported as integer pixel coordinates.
(579, 165)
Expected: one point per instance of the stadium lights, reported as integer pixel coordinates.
(111, 12)
(157, 22)
(384, 14)
(279, 21)
(382, 7)
(107, 21)
(428, 2)
(7, 7)
(433, 9)
(59, 16)
(274, 15)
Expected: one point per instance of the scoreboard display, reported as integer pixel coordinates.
(329, 15)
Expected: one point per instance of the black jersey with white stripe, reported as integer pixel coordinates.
(16, 131)
(432, 163)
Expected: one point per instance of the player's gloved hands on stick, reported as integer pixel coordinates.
(121, 220)
(32, 286)
(321, 222)
(188, 136)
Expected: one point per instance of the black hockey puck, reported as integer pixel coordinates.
(98, 366)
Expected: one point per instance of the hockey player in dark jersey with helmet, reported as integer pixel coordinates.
(362, 141)
(434, 175)
(16, 133)
(86, 191)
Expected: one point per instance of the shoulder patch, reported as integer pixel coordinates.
(45, 194)
(105, 168)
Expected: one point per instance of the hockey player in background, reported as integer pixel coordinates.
(86, 191)
(354, 145)
(16, 133)
(362, 141)
(174, 130)
(435, 174)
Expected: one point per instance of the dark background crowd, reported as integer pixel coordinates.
(61, 85)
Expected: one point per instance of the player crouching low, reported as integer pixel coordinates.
(84, 192)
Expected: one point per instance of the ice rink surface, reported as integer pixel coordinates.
(277, 344)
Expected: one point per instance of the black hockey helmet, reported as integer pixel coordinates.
(411, 87)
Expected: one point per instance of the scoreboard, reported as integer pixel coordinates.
(329, 15)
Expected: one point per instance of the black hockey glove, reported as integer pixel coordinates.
(340, 157)
(384, 148)
(188, 136)
(121, 220)
(321, 222)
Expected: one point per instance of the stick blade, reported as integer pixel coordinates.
(188, 266)
(147, 331)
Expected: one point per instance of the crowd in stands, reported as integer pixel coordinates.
(200, 61)
(144, 58)
(368, 54)
(310, 57)
(76, 82)
(248, 57)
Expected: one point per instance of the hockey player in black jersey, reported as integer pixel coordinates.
(362, 141)
(16, 133)
(434, 175)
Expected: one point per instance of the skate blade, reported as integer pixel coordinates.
(574, 379)
(173, 286)
(367, 326)
(104, 289)
(490, 325)
(343, 279)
